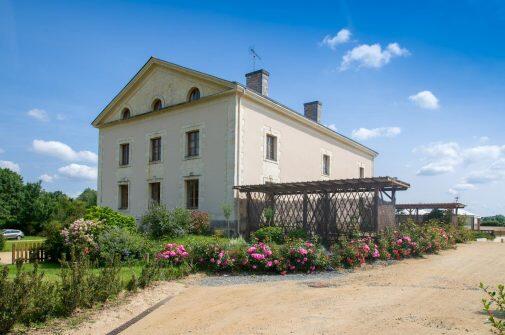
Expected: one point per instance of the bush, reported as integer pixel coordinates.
(54, 245)
(27, 298)
(122, 244)
(302, 256)
(200, 223)
(298, 234)
(82, 236)
(160, 222)
(173, 254)
(2, 242)
(111, 218)
(494, 307)
(270, 235)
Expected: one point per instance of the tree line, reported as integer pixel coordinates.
(30, 208)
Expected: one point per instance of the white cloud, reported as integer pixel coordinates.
(425, 99)
(332, 127)
(79, 172)
(63, 151)
(47, 178)
(453, 192)
(464, 187)
(10, 165)
(483, 152)
(365, 134)
(38, 114)
(341, 37)
(483, 139)
(486, 162)
(371, 56)
(436, 168)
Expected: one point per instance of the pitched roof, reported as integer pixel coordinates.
(232, 85)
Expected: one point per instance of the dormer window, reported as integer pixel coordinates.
(125, 114)
(194, 94)
(156, 105)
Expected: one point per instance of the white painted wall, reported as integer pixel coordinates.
(300, 149)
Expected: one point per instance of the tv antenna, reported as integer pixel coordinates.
(254, 56)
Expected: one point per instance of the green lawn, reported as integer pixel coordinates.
(52, 271)
(9, 243)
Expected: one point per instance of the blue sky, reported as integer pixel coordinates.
(422, 83)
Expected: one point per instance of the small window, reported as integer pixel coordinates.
(194, 94)
(123, 196)
(157, 105)
(271, 153)
(125, 154)
(193, 145)
(155, 149)
(192, 194)
(362, 172)
(155, 193)
(125, 114)
(326, 165)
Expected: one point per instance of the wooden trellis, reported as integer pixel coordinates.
(327, 209)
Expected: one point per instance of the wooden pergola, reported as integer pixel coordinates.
(327, 208)
(413, 209)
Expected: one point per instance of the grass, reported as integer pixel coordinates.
(9, 243)
(52, 271)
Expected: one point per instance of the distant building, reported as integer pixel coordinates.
(180, 137)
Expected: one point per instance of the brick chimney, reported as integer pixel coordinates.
(312, 110)
(258, 81)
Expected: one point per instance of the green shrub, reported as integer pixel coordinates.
(111, 218)
(27, 298)
(150, 273)
(200, 223)
(159, 222)
(270, 234)
(2, 242)
(494, 307)
(54, 245)
(481, 234)
(298, 234)
(122, 244)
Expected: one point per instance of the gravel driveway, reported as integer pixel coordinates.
(434, 295)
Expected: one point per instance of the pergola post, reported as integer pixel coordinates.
(305, 209)
(248, 214)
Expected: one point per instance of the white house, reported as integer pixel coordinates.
(180, 137)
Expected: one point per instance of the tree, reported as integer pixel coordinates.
(88, 196)
(11, 197)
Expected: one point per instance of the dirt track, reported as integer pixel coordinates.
(435, 295)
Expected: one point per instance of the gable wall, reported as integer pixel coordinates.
(171, 86)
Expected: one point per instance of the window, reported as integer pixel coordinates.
(271, 153)
(326, 165)
(155, 149)
(362, 172)
(157, 105)
(123, 196)
(194, 94)
(125, 154)
(192, 194)
(125, 114)
(155, 193)
(193, 145)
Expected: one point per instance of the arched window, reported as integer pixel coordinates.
(194, 94)
(125, 114)
(157, 105)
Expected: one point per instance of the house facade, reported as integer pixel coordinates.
(183, 138)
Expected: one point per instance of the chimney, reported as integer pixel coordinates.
(258, 81)
(312, 110)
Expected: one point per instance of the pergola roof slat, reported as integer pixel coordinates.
(334, 185)
(441, 205)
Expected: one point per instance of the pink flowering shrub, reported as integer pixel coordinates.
(82, 235)
(173, 254)
(355, 252)
(302, 256)
(260, 257)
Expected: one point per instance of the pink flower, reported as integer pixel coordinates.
(366, 248)
(302, 251)
(258, 257)
(251, 250)
(212, 260)
(254, 267)
(269, 264)
(399, 241)
(376, 254)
